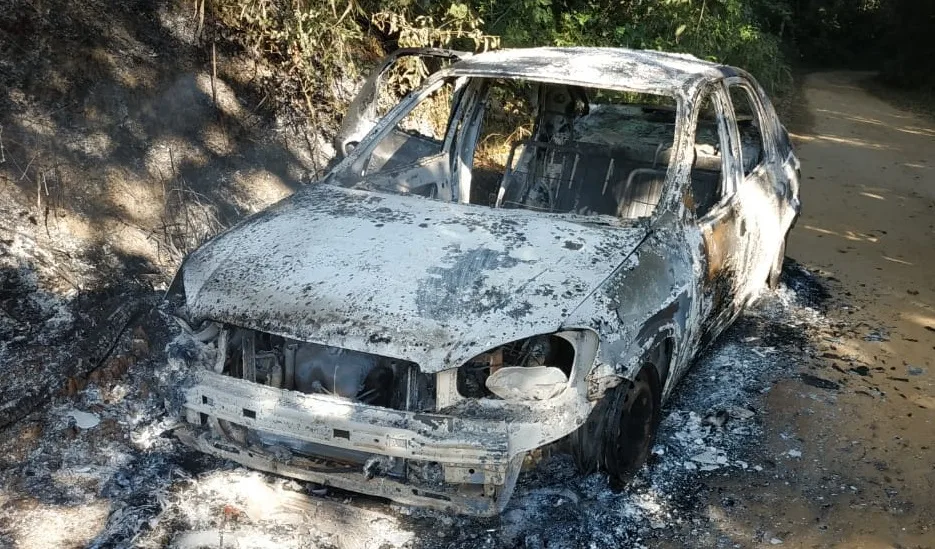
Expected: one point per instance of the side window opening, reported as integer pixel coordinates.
(418, 135)
(750, 127)
(403, 77)
(509, 117)
(567, 149)
(392, 79)
(709, 163)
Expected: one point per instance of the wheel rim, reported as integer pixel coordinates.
(636, 425)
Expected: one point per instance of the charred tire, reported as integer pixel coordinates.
(618, 436)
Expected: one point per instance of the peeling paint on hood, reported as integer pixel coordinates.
(402, 276)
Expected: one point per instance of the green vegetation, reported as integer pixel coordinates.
(908, 40)
(317, 42)
(729, 31)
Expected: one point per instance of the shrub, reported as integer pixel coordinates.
(319, 45)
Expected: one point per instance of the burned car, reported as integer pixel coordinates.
(527, 249)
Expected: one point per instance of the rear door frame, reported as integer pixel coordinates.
(722, 227)
(764, 188)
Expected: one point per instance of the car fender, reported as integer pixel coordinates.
(637, 311)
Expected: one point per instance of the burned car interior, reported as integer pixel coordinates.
(519, 249)
(555, 148)
(539, 146)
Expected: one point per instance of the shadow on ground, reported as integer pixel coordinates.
(117, 140)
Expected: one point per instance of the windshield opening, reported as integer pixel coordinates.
(531, 145)
(587, 151)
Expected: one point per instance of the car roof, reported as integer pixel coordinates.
(614, 68)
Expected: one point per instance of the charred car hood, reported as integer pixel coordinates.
(401, 276)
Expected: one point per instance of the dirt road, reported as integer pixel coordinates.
(866, 476)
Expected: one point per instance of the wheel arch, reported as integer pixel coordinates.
(658, 338)
(662, 352)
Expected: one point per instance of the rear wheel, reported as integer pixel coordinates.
(618, 436)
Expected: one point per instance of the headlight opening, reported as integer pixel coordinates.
(534, 368)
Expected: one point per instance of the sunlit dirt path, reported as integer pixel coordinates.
(866, 474)
(869, 195)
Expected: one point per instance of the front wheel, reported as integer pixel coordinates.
(619, 434)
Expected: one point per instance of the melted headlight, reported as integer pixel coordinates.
(530, 383)
(534, 368)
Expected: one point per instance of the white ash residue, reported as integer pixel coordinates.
(710, 426)
(158, 493)
(30, 312)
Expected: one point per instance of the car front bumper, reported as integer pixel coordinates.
(478, 459)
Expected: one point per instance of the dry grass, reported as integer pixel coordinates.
(188, 219)
(509, 118)
(493, 151)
